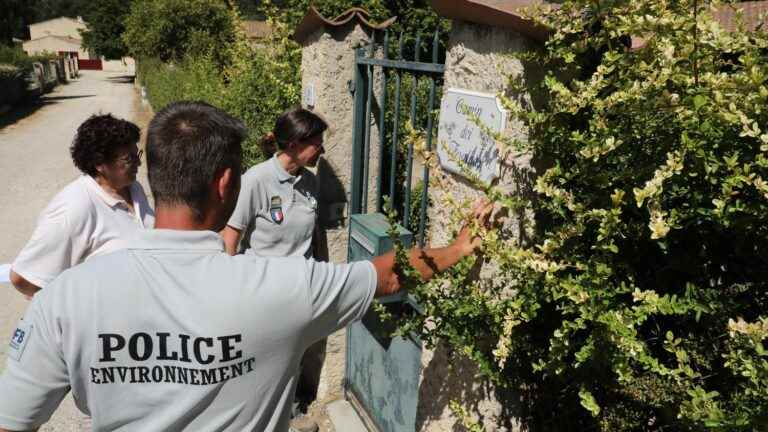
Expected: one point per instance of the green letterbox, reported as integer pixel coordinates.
(382, 374)
(368, 236)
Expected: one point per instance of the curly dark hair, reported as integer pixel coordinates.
(98, 139)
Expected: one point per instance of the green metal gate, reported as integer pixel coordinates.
(382, 373)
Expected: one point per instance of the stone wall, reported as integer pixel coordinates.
(328, 65)
(477, 59)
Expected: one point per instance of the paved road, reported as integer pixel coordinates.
(35, 164)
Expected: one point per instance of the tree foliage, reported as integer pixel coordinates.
(14, 19)
(169, 29)
(106, 26)
(637, 298)
(217, 64)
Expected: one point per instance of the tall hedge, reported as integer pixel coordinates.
(638, 300)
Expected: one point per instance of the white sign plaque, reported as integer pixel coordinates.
(463, 138)
(309, 95)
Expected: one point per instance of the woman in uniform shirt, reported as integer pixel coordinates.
(276, 210)
(93, 214)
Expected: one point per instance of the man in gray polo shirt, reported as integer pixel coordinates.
(173, 333)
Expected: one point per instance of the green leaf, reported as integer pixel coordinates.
(588, 402)
(699, 101)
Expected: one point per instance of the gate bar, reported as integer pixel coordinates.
(367, 151)
(359, 128)
(382, 125)
(396, 126)
(430, 125)
(404, 65)
(409, 162)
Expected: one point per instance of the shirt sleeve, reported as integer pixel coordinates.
(245, 210)
(50, 250)
(35, 379)
(338, 295)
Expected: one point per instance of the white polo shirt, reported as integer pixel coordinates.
(265, 190)
(174, 334)
(81, 221)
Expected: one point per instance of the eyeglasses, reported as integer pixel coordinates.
(130, 159)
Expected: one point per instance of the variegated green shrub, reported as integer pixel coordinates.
(638, 300)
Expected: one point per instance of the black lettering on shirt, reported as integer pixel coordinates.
(199, 352)
(228, 345)
(94, 377)
(110, 342)
(170, 374)
(133, 346)
(149, 349)
(162, 339)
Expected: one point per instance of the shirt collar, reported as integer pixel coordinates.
(110, 200)
(280, 172)
(176, 239)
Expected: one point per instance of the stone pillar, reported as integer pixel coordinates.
(328, 66)
(476, 60)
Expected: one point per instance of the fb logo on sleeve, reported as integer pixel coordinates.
(19, 340)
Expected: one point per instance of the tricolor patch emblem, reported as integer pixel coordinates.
(276, 209)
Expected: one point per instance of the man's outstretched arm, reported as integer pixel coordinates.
(429, 261)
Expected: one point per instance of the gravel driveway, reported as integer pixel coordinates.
(35, 165)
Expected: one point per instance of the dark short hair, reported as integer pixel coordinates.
(188, 143)
(296, 124)
(98, 139)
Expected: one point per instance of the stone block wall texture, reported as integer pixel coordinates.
(477, 59)
(328, 64)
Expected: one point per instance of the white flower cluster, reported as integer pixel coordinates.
(652, 190)
(757, 329)
(501, 353)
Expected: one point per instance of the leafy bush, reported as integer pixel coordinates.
(215, 63)
(637, 299)
(169, 29)
(245, 81)
(17, 57)
(9, 72)
(15, 65)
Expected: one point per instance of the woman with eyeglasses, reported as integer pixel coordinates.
(276, 210)
(95, 213)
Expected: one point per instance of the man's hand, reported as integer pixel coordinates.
(480, 219)
(428, 262)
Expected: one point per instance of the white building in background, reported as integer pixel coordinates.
(62, 35)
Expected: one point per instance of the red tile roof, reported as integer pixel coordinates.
(314, 20)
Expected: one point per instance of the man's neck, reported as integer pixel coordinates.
(179, 217)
